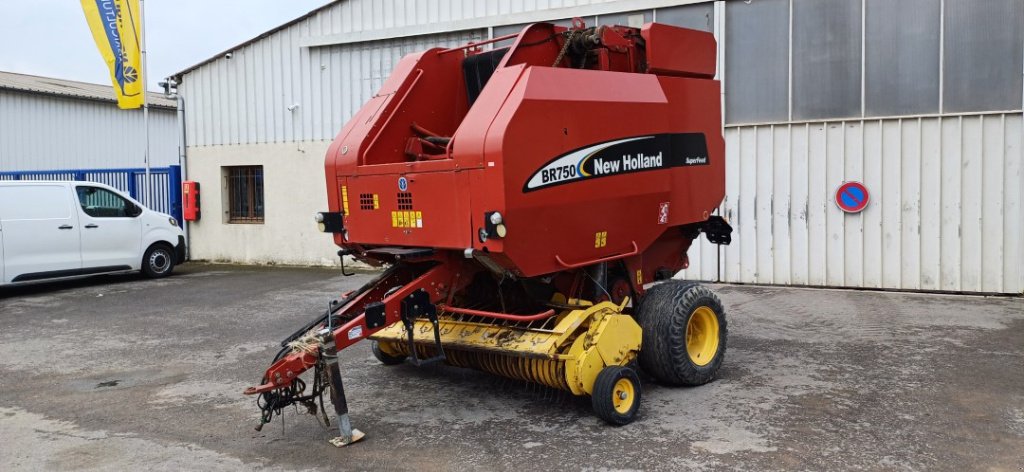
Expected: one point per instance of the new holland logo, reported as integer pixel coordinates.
(622, 156)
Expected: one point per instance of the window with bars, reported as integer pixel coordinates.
(245, 194)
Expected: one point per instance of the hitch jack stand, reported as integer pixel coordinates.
(347, 435)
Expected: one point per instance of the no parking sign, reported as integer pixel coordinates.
(852, 197)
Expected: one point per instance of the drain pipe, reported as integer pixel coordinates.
(171, 84)
(183, 162)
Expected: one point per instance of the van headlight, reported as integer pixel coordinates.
(172, 221)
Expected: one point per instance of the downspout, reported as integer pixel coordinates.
(183, 161)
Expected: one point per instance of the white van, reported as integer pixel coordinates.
(53, 230)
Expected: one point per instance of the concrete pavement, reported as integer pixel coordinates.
(119, 372)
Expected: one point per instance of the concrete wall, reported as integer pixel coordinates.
(294, 190)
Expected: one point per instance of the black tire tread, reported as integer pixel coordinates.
(170, 260)
(383, 357)
(604, 388)
(663, 315)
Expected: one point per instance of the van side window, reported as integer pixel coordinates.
(102, 203)
(34, 202)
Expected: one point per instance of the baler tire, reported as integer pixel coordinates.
(612, 382)
(664, 315)
(383, 357)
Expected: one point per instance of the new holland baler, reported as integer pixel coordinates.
(528, 206)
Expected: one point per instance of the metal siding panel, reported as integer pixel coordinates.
(240, 79)
(262, 83)
(192, 89)
(233, 91)
(747, 205)
(731, 257)
(710, 255)
(931, 203)
(278, 90)
(764, 162)
(696, 259)
(370, 17)
(269, 91)
(781, 210)
(799, 204)
(408, 12)
(950, 188)
(254, 99)
(1013, 204)
(432, 11)
(352, 63)
(388, 11)
(223, 108)
(993, 166)
(817, 232)
(347, 16)
(352, 66)
(971, 203)
(853, 236)
(307, 77)
(871, 267)
(5, 124)
(910, 204)
(891, 196)
(92, 134)
(289, 51)
(835, 221)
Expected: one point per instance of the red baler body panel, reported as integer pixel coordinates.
(498, 186)
(670, 172)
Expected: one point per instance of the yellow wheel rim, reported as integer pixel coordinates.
(702, 336)
(623, 396)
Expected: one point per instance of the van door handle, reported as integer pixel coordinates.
(91, 226)
(65, 227)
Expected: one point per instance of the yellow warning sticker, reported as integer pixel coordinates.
(407, 219)
(344, 198)
(376, 201)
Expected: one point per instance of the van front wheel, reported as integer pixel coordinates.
(158, 261)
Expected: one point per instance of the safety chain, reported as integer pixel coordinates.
(565, 47)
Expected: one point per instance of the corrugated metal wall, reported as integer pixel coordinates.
(274, 90)
(946, 207)
(366, 15)
(91, 134)
(946, 211)
(252, 97)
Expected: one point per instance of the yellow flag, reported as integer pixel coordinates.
(116, 27)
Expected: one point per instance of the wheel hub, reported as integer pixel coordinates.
(702, 336)
(623, 395)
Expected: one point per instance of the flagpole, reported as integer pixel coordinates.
(147, 200)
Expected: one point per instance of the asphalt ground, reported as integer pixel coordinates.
(124, 373)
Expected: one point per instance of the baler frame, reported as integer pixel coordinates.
(474, 275)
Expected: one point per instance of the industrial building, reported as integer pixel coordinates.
(54, 129)
(920, 100)
(93, 132)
